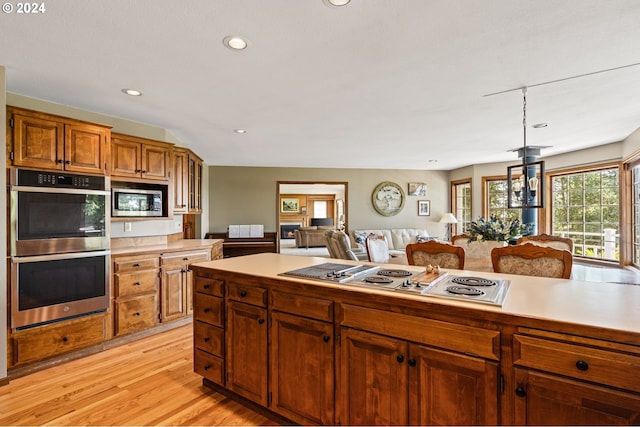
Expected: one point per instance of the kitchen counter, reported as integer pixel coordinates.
(185, 244)
(598, 305)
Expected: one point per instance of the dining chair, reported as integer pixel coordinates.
(342, 246)
(532, 260)
(549, 240)
(436, 253)
(377, 248)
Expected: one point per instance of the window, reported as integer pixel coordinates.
(461, 198)
(496, 200)
(320, 209)
(584, 207)
(635, 216)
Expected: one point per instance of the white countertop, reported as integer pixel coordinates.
(605, 305)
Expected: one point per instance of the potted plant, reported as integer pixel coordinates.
(495, 229)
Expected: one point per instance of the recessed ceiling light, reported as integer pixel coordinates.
(240, 131)
(540, 125)
(235, 42)
(132, 92)
(336, 2)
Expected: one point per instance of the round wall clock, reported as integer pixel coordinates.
(388, 198)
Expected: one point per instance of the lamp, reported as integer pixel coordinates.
(523, 179)
(448, 219)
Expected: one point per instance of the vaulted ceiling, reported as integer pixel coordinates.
(372, 84)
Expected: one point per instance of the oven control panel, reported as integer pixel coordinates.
(29, 178)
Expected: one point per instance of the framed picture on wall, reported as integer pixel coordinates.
(288, 205)
(417, 189)
(424, 208)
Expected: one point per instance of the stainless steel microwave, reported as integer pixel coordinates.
(134, 202)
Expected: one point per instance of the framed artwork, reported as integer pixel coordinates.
(424, 208)
(417, 189)
(388, 198)
(288, 205)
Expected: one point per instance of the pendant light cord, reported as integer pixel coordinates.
(524, 121)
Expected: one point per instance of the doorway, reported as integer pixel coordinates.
(309, 203)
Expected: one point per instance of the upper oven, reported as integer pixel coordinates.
(55, 213)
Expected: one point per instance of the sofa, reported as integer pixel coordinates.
(397, 238)
(309, 237)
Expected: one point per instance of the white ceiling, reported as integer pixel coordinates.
(374, 84)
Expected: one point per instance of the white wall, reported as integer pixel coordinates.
(3, 220)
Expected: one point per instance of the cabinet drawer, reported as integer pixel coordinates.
(40, 343)
(450, 336)
(128, 284)
(128, 264)
(209, 366)
(248, 294)
(578, 361)
(185, 257)
(135, 314)
(208, 309)
(209, 338)
(209, 286)
(315, 308)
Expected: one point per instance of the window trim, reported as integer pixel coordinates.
(454, 199)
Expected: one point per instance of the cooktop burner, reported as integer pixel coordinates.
(463, 290)
(473, 281)
(377, 279)
(394, 273)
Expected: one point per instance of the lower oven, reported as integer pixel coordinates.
(48, 288)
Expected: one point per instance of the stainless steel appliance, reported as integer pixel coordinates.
(135, 202)
(54, 212)
(59, 246)
(444, 285)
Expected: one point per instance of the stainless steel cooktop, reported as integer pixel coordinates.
(442, 285)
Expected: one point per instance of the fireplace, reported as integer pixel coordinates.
(287, 229)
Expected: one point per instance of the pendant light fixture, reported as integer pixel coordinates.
(524, 187)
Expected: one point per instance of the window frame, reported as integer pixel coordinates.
(459, 228)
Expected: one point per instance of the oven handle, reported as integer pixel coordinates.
(25, 189)
(55, 257)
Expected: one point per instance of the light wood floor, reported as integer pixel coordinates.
(146, 382)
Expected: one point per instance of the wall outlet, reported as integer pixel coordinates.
(127, 226)
(178, 225)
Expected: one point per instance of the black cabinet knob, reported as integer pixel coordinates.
(261, 321)
(520, 391)
(326, 338)
(206, 310)
(400, 358)
(207, 339)
(412, 362)
(206, 286)
(137, 313)
(65, 339)
(206, 367)
(136, 265)
(68, 162)
(243, 294)
(137, 284)
(582, 365)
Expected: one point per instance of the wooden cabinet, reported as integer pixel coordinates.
(56, 143)
(246, 341)
(133, 157)
(135, 283)
(208, 324)
(180, 180)
(568, 380)
(58, 338)
(195, 170)
(176, 290)
(301, 357)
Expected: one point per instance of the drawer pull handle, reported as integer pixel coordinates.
(400, 358)
(582, 365)
(185, 259)
(206, 367)
(65, 339)
(521, 392)
(412, 362)
(207, 286)
(137, 313)
(326, 338)
(261, 321)
(137, 284)
(206, 310)
(207, 339)
(243, 294)
(136, 264)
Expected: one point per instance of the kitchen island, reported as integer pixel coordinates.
(318, 352)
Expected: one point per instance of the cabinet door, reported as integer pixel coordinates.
(173, 293)
(451, 389)
(246, 351)
(180, 181)
(372, 380)
(125, 158)
(156, 161)
(37, 142)
(547, 400)
(301, 360)
(86, 148)
(195, 166)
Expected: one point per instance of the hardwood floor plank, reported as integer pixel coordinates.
(145, 382)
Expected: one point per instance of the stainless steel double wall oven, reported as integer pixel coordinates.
(60, 231)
